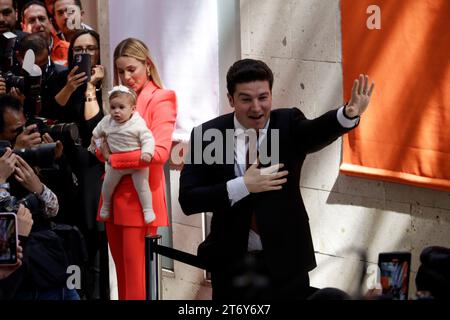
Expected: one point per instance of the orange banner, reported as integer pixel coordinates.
(404, 46)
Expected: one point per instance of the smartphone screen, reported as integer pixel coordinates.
(395, 269)
(83, 61)
(8, 239)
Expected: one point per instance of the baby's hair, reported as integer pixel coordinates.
(119, 90)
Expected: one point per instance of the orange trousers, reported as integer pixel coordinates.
(127, 246)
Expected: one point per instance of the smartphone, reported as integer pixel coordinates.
(83, 61)
(395, 269)
(8, 239)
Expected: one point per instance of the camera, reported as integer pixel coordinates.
(41, 156)
(30, 201)
(7, 44)
(67, 133)
(8, 62)
(29, 85)
(13, 81)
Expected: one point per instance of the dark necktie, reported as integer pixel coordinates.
(250, 158)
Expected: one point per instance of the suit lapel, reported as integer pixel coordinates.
(228, 146)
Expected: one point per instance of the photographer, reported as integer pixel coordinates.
(53, 79)
(9, 285)
(13, 129)
(45, 257)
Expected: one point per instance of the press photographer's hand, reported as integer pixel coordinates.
(15, 92)
(7, 165)
(28, 138)
(46, 138)
(27, 177)
(24, 221)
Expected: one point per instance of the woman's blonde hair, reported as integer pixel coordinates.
(135, 48)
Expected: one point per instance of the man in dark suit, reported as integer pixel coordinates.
(260, 243)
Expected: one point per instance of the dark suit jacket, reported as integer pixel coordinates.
(281, 215)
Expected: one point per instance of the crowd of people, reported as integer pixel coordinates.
(79, 213)
(63, 115)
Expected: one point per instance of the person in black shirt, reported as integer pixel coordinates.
(81, 103)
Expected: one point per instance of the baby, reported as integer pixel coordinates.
(125, 130)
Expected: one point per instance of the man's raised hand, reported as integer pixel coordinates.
(361, 94)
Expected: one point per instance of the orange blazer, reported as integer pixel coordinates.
(158, 107)
(60, 50)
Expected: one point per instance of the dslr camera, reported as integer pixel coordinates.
(41, 156)
(8, 62)
(67, 133)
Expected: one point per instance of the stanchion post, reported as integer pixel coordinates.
(158, 270)
(152, 266)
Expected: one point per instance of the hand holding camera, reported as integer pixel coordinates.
(27, 177)
(24, 221)
(46, 138)
(7, 165)
(15, 92)
(28, 138)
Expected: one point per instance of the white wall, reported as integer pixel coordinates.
(90, 13)
(301, 41)
(183, 39)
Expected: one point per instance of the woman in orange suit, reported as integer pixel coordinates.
(126, 228)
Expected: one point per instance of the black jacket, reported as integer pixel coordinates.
(281, 216)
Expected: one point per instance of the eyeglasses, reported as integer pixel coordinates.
(89, 49)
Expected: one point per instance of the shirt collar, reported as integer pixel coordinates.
(239, 129)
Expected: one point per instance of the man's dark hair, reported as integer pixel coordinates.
(33, 41)
(434, 272)
(76, 35)
(76, 2)
(7, 101)
(29, 4)
(248, 70)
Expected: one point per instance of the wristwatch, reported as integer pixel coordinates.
(4, 186)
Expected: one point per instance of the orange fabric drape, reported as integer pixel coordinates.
(405, 134)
